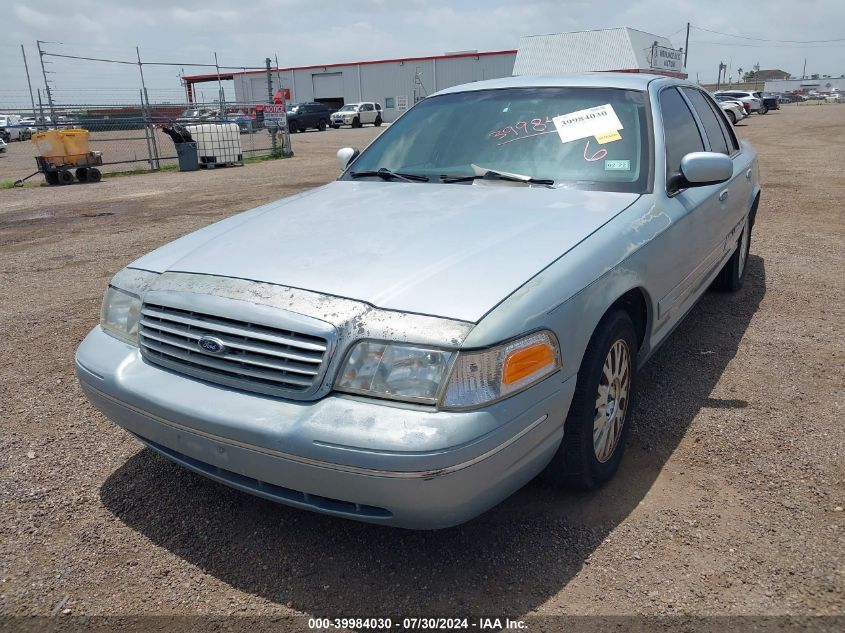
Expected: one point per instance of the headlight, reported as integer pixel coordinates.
(395, 371)
(485, 376)
(417, 374)
(120, 313)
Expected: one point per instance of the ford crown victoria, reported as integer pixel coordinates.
(464, 309)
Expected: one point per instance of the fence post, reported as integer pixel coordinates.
(270, 100)
(149, 131)
(287, 148)
(146, 133)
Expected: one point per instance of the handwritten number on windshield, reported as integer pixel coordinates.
(594, 157)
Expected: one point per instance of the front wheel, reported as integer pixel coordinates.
(321, 125)
(731, 117)
(377, 121)
(596, 425)
(356, 122)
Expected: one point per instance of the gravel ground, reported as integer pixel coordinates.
(729, 500)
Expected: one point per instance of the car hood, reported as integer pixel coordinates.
(453, 251)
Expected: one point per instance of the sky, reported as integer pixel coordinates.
(310, 32)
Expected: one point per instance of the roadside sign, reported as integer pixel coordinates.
(274, 115)
(402, 102)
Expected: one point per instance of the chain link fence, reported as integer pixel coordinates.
(131, 137)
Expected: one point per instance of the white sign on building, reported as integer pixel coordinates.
(401, 102)
(664, 58)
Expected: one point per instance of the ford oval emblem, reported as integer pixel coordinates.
(211, 344)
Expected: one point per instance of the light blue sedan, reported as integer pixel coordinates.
(465, 308)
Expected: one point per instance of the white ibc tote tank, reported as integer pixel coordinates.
(217, 142)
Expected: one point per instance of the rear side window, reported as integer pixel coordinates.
(679, 130)
(718, 142)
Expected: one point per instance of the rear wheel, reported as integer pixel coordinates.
(321, 125)
(356, 122)
(94, 175)
(731, 117)
(596, 425)
(82, 174)
(378, 121)
(730, 278)
(65, 177)
(763, 109)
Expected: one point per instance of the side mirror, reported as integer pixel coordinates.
(345, 156)
(699, 169)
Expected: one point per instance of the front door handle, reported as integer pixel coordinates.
(748, 175)
(723, 195)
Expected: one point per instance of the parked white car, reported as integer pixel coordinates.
(755, 103)
(733, 110)
(2, 145)
(11, 128)
(835, 97)
(357, 114)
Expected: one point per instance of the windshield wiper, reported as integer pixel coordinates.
(386, 174)
(492, 174)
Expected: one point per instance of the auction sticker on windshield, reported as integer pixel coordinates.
(600, 121)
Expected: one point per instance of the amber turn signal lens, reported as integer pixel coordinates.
(523, 362)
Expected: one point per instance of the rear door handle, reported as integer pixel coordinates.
(723, 195)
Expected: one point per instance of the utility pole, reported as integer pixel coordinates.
(686, 47)
(46, 83)
(804, 72)
(28, 82)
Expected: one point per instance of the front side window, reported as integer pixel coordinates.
(349, 107)
(368, 107)
(680, 131)
(718, 142)
(512, 130)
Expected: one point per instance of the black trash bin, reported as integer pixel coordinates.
(188, 158)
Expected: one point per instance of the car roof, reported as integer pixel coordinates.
(625, 81)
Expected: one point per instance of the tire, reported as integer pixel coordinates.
(378, 121)
(64, 177)
(82, 174)
(731, 117)
(51, 177)
(336, 126)
(94, 175)
(594, 439)
(730, 278)
(763, 109)
(356, 122)
(321, 125)
(293, 128)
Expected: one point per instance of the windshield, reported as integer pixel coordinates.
(512, 131)
(349, 107)
(294, 109)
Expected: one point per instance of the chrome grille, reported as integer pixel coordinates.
(256, 357)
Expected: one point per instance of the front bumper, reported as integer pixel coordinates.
(355, 458)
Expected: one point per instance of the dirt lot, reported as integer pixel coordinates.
(729, 500)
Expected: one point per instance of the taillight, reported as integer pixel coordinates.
(746, 106)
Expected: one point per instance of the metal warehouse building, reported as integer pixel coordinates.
(394, 83)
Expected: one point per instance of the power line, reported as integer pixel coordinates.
(761, 39)
(766, 45)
